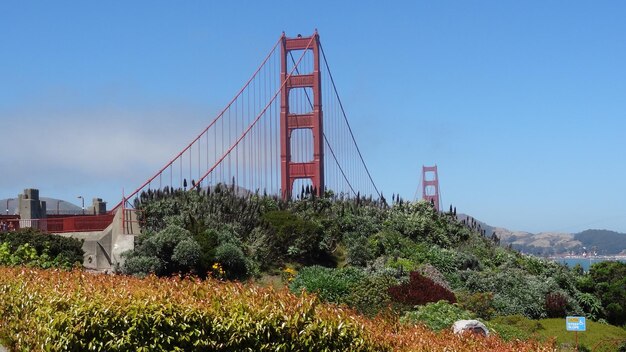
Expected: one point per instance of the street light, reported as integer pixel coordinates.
(83, 200)
(8, 204)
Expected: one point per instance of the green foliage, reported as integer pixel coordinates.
(330, 285)
(232, 259)
(402, 264)
(33, 248)
(515, 292)
(296, 236)
(480, 303)
(591, 304)
(437, 316)
(514, 327)
(358, 250)
(600, 337)
(207, 241)
(171, 250)
(609, 280)
(266, 233)
(370, 295)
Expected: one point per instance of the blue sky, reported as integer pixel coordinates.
(520, 104)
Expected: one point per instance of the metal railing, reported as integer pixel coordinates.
(79, 223)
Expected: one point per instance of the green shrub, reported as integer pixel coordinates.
(33, 248)
(515, 292)
(297, 237)
(403, 264)
(358, 250)
(171, 250)
(369, 296)
(480, 303)
(232, 259)
(609, 280)
(446, 261)
(437, 316)
(331, 285)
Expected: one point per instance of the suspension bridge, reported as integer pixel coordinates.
(284, 131)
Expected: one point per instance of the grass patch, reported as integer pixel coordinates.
(598, 337)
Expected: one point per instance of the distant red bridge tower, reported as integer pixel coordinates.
(430, 186)
(311, 120)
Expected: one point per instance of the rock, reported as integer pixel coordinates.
(471, 326)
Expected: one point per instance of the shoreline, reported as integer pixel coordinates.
(589, 257)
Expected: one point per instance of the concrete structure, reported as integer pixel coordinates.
(103, 249)
(98, 207)
(29, 205)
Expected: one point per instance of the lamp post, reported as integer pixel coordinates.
(58, 201)
(8, 204)
(83, 203)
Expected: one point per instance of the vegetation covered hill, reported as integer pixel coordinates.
(603, 241)
(407, 267)
(370, 255)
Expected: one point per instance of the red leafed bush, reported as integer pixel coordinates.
(75, 311)
(556, 304)
(419, 291)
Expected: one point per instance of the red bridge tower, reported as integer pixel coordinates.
(430, 186)
(289, 121)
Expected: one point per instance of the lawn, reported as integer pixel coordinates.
(597, 337)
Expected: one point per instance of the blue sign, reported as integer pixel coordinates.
(575, 324)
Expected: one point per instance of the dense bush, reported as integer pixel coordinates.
(175, 250)
(480, 303)
(331, 285)
(297, 237)
(420, 290)
(437, 316)
(516, 292)
(556, 305)
(162, 252)
(370, 296)
(31, 247)
(609, 284)
(267, 234)
(56, 310)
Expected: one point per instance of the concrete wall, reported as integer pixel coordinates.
(103, 249)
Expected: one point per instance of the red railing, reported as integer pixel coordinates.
(79, 223)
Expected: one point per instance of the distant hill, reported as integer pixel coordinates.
(53, 206)
(602, 242)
